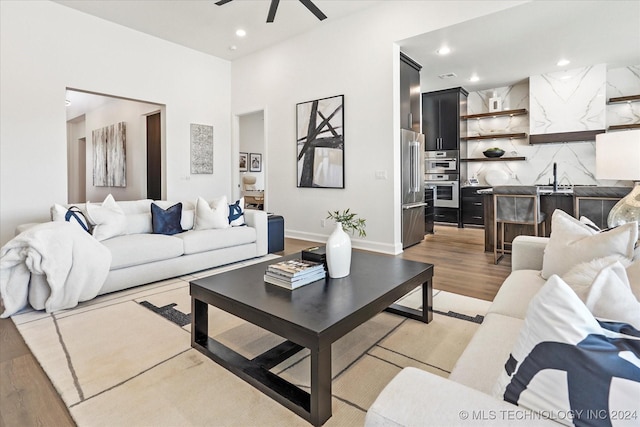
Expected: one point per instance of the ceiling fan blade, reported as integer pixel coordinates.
(314, 9)
(221, 2)
(272, 10)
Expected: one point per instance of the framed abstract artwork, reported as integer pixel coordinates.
(243, 162)
(201, 149)
(109, 156)
(255, 162)
(320, 142)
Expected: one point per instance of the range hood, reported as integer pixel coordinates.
(568, 106)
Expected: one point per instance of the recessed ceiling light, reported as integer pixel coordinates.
(241, 33)
(444, 50)
(563, 62)
(233, 47)
(474, 78)
(448, 75)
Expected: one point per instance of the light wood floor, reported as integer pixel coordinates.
(27, 397)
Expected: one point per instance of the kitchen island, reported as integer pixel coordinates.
(590, 201)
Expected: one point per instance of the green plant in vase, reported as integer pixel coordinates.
(350, 221)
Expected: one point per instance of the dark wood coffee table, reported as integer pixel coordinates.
(313, 316)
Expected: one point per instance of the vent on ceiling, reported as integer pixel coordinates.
(447, 75)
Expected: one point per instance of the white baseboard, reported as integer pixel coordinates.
(364, 244)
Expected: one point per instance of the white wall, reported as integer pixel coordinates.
(45, 48)
(355, 56)
(251, 133)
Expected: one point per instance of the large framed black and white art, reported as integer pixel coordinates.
(109, 156)
(320, 142)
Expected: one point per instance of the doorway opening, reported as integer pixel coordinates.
(252, 160)
(144, 144)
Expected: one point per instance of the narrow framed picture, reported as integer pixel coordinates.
(255, 162)
(243, 162)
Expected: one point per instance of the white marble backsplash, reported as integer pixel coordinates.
(575, 160)
(568, 101)
(623, 82)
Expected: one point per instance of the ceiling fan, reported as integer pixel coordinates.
(274, 6)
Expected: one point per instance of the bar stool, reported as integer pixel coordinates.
(515, 204)
(596, 202)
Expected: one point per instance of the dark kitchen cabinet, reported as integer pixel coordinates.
(450, 215)
(409, 93)
(472, 206)
(429, 209)
(441, 118)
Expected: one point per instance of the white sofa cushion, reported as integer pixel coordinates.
(136, 249)
(137, 214)
(572, 242)
(564, 361)
(482, 362)
(109, 219)
(210, 215)
(516, 292)
(418, 398)
(196, 241)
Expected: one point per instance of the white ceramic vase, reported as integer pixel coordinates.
(339, 253)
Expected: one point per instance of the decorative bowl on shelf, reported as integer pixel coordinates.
(493, 152)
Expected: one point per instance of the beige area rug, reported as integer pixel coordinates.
(125, 359)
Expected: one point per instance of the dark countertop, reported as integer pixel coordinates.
(544, 191)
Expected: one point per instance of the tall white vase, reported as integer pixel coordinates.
(339, 253)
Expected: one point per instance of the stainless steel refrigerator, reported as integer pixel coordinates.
(413, 203)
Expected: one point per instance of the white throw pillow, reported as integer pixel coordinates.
(610, 296)
(109, 219)
(581, 276)
(565, 362)
(573, 242)
(211, 215)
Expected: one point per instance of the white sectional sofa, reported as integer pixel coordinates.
(418, 398)
(138, 256)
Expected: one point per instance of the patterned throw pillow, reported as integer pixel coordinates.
(570, 367)
(166, 221)
(236, 213)
(73, 215)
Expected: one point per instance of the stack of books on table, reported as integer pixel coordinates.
(294, 273)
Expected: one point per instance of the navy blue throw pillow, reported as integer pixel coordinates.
(166, 221)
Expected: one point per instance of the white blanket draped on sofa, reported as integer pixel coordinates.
(75, 265)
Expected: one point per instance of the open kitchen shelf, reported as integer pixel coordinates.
(562, 137)
(518, 112)
(630, 98)
(627, 126)
(495, 136)
(494, 159)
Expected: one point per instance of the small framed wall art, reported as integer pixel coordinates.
(255, 162)
(243, 162)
